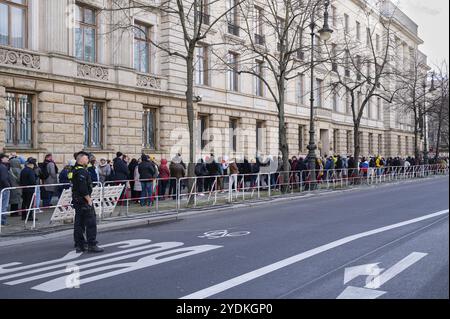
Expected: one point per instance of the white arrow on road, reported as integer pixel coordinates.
(363, 270)
(375, 281)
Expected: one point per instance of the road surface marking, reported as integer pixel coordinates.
(214, 234)
(406, 262)
(103, 266)
(376, 277)
(360, 293)
(233, 282)
(351, 273)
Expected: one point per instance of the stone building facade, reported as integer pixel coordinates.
(69, 81)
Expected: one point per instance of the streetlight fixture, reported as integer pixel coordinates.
(325, 35)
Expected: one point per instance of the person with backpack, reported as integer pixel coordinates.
(64, 176)
(146, 173)
(49, 176)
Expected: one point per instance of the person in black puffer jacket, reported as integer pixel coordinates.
(146, 172)
(120, 168)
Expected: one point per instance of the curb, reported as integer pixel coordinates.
(149, 220)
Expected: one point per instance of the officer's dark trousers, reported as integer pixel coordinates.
(85, 221)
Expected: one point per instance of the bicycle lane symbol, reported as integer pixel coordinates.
(215, 234)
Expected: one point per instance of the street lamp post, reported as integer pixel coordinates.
(325, 34)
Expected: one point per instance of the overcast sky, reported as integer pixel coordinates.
(432, 16)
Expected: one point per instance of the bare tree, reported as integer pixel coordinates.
(411, 99)
(273, 51)
(440, 109)
(192, 19)
(368, 71)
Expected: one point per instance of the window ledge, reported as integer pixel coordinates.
(23, 149)
(151, 151)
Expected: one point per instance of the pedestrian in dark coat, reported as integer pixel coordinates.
(28, 177)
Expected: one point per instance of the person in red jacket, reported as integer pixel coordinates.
(164, 175)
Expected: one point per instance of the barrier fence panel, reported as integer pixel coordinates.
(202, 191)
(172, 194)
(141, 196)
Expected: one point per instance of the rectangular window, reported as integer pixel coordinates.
(347, 64)
(259, 84)
(346, 23)
(335, 140)
(203, 12)
(358, 31)
(233, 137)
(358, 102)
(13, 23)
(406, 145)
(360, 142)
(93, 124)
(371, 144)
(348, 102)
(232, 17)
(142, 48)
(368, 38)
(233, 75)
(85, 34)
(279, 34)
(203, 123)
(319, 91)
(201, 65)
(259, 32)
(358, 68)
(333, 16)
(399, 145)
(149, 128)
(259, 136)
(301, 138)
(369, 108)
(377, 42)
(335, 98)
(18, 119)
(380, 144)
(334, 66)
(378, 109)
(301, 89)
(349, 142)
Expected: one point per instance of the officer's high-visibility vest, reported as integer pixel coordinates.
(70, 174)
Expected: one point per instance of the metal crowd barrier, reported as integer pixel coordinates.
(201, 191)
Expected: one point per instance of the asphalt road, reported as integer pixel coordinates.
(383, 242)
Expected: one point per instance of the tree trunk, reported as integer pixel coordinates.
(416, 137)
(357, 148)
(438, 137)
(282, 139)
(190, 111)
(190, 116)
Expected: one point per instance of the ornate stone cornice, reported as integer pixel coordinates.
(92, 71)
(148, 81)
(11, 56)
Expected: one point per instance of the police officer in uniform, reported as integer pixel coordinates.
(85, 219)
